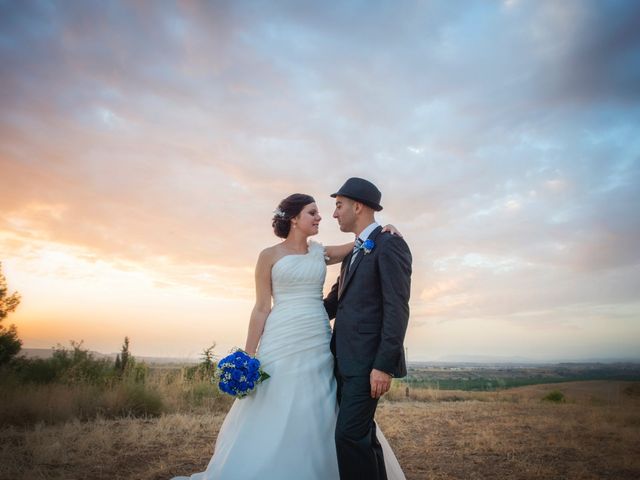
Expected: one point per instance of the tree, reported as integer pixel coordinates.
(10, 344)
(123, 358)
(208, 357)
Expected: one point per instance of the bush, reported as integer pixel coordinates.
(56, 403)
(135, 372)
(201, 394)
(555, 396)
(10, 344)
(75, 366)
(35, 370)
(138, 401)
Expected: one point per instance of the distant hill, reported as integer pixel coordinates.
(492, 359)
(48, 352)
(517, 360)
(460, 360)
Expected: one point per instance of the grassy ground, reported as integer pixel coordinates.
(594, 434)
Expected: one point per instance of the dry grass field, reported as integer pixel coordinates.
(513, 434)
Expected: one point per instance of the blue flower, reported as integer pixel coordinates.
(368, 245)
(254, 364)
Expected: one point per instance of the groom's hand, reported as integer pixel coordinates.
(380, 383)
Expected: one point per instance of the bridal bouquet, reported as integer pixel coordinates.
(238, 374)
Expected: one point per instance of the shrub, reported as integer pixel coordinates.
(10, 344)
(135, 372)
(138, 401)
(554, 396)
(633, 390)
(72, 366)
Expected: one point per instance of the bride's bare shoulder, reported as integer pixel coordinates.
(269, 255)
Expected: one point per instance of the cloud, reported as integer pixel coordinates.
(503, 136)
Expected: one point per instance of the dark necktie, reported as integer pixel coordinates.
(356, 248)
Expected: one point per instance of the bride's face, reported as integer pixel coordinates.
(308, 220)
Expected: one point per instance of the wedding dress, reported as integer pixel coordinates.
(284, 430)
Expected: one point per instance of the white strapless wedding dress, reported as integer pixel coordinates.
(284, 430)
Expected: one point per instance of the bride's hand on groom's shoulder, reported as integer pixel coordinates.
(392, 230)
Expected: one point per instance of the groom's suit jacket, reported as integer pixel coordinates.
(370, 304)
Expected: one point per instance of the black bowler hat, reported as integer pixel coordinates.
(362, 191)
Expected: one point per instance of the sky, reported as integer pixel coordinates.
(145, 145)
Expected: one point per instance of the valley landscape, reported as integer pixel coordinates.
(167, 424)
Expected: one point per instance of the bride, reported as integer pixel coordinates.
(285, 428)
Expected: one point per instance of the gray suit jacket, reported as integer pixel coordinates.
(371, 306)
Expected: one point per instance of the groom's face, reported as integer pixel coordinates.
(345, 213)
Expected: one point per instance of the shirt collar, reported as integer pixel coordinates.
(367, 231)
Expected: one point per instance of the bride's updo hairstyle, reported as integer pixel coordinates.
(289, 208)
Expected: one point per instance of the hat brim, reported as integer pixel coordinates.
(375, 206)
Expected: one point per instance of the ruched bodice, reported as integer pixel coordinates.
(299, 278)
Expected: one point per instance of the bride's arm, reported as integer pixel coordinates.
(336, 253)
(262, 307)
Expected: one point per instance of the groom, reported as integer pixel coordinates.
(370, 302)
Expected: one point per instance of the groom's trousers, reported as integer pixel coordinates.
(358, 449)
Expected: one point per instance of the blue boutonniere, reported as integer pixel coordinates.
(368, 245)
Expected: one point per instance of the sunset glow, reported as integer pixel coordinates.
(144, 147)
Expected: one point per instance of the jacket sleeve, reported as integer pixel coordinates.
(331, 301)
(394, 264)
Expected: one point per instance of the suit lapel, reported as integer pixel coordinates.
(343, 273)
(352, 270)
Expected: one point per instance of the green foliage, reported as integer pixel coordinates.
(35, 370)
(10, 344)
(208, 364)
(54, 403)
(633, 390)
(75, 366)
(135, 372)
(8, 303)
(68, 366)
(201, 393)
(122, 360)
(476, 381)
(555, 396)
(205, 370)
(78, 365)
(138, 401)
